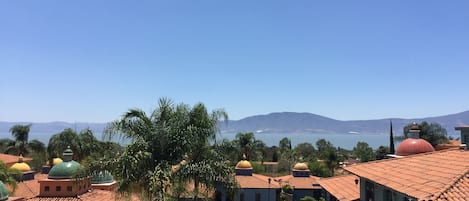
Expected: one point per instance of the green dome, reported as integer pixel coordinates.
(101, 177)
(3, 191)
(67, 169)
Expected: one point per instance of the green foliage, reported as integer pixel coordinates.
(381, 152)
(320, 169)
(21, 145)
(434, 133)
(257, 167)
(364, 152)
(83, 145)
(304, 151)
(307, 198)
(171, 134)
(252, 148)
(7, 176)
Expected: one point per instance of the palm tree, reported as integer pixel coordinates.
(21, 145)
(165, 137)
(7, 176)
(205, 164)
(21, 134)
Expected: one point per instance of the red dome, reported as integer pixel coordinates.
(413, 146)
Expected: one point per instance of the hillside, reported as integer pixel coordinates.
(288, 122)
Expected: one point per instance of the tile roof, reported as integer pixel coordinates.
(10, 159)
(458, 191)
(30, 190)
(342, 187)
(422, 176)
(298, 182)
(255, 181)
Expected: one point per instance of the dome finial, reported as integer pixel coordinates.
(20, 158)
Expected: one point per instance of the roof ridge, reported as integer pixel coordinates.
(450, 186)
(409, 156)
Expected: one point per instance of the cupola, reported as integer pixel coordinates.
(413, 144)
(21, 165)
(243, 167)
(67, 169)
(300, 170)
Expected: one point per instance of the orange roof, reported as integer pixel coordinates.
(421, 176)
(342, 187)
(458, 191)
(255, 181)
(30, 189)
(10, 159)
(298, 182)
(450, 144)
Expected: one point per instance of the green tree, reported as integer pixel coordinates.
(320, 169)
(364, 152)
(8, 175)
(169, 135)
(304, 151)
(434, 133)
(381, 152)
(21, 144)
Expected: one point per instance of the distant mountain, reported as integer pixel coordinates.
(280, 122)
(290, 122)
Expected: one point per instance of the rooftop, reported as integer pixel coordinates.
(299, 182)
(30, 189)
(255, 181)
(423, 176)
(342, 187)
(10, 159)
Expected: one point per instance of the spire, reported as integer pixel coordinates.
(391, 139)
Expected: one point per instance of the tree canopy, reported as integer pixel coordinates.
(434, 133)
(170, 135)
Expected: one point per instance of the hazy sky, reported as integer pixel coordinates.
(90, 61)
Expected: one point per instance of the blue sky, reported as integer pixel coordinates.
(90, 61)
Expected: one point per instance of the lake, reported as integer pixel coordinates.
(346, 141)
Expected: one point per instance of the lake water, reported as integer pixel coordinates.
(346, 141)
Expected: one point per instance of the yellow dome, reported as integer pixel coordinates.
(243, 164)
(23, 167)
(300, 166)
(56, 161)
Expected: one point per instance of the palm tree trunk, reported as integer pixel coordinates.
(196, 189)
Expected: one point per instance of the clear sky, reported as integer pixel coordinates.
(90, 61)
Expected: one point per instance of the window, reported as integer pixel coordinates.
(69, 188)
(258, 197)
(58, 188)
(46, 188)
(369, 191)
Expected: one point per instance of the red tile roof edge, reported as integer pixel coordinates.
(449, 186)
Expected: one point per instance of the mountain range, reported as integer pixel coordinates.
(291, 122)
(280, 122)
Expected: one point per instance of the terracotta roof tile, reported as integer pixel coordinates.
(10, 159)
(298, 182)
(342, 187)
(421, 176)
(255, 181)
